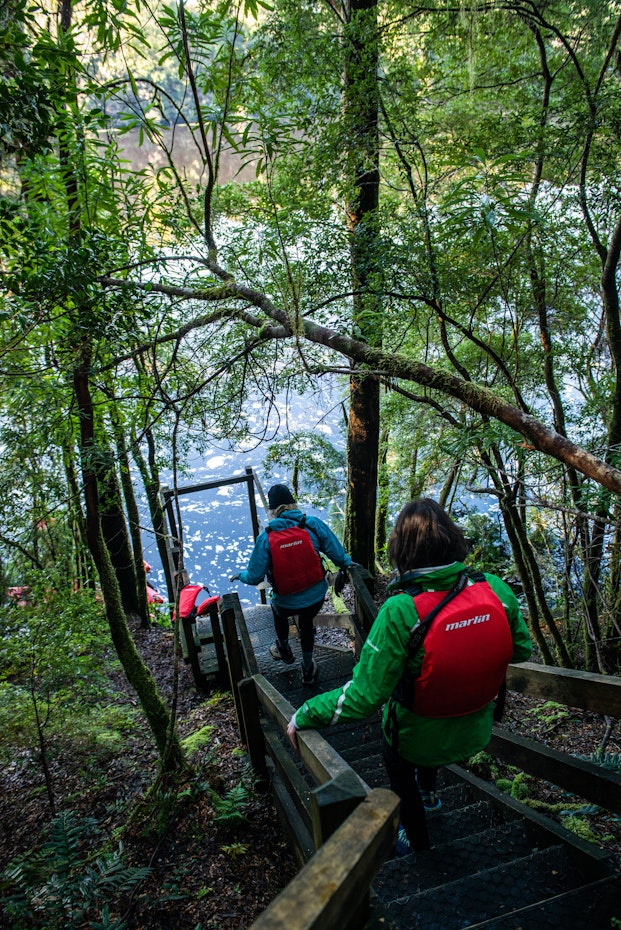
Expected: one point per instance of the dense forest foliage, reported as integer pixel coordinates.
(427, 205)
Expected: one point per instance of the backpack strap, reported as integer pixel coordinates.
(404, 691)
(501, 697)
(424, 623)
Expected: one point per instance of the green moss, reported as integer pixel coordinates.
(504, 784)
(196, 740)
(580, 827)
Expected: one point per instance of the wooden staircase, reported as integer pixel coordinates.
(488, 871)
(494, 863)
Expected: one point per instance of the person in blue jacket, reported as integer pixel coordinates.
(305, 603)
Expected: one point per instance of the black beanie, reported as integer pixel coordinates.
(279, 494)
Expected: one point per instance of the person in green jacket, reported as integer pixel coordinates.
(428, 549)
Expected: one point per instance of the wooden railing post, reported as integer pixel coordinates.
(601, 694)
(189, 636)
(233, 658)
(365, 607)
(216, 632)
(333, 802)
(253, 733)
(327, 891)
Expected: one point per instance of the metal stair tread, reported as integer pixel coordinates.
(475, 817)
(452, 860)
(483, 895)
(593, 905)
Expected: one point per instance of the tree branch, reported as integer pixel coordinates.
(395, 365)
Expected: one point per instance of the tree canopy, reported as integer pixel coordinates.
(426, 201)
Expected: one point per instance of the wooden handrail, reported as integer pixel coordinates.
(583, 778)
(233, 622)
(321, 760)
(600, 694)
(325, 894)
(309, 817)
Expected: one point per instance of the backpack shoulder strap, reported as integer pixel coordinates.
(404, 691)
(419, 632)
(475, 575)
(413, 588)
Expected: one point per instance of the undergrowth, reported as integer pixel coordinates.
(66, 886)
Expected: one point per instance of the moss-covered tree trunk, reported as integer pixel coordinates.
(526, 563)
(84, 567)
(138, 675)
(383, 496)
(114, 530)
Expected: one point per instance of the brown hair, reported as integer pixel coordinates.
(424, 535)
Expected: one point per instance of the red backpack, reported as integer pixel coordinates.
(468, 646)
(295, 563)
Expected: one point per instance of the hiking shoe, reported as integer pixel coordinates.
(403, 847)
(282, 652)
(431, 802)
(310, 677)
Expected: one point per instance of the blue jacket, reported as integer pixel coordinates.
(323, 540)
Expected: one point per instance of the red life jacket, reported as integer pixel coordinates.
(467, 650)
(194, 600)
(295, 563)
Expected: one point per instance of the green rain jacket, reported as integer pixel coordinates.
(424, 741)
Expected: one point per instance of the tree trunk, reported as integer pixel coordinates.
(133, 520)
(383, 496)
(527, 585)
(138, 675)
(360, 109)
(526, 564)
(449, 482)
(114, 531)
(83, 563)
(151, 480)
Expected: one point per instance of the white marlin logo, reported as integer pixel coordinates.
(482, 618)
(298, 542)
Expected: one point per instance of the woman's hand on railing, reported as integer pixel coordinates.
(292, 733)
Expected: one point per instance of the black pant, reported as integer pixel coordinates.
(305, 615)
(427, 779)
(402, 778)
